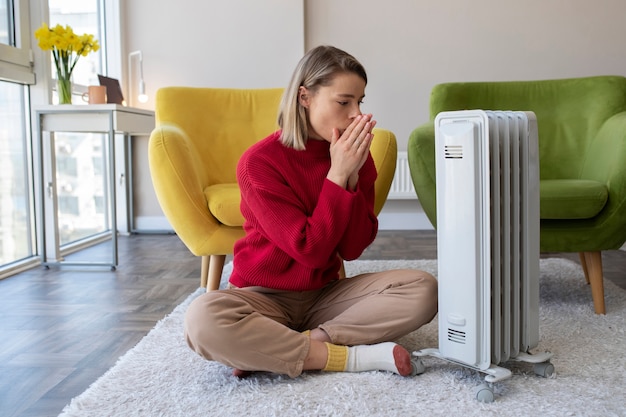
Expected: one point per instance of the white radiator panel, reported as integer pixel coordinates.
(402, 186)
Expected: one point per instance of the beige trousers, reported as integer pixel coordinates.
(260, 329)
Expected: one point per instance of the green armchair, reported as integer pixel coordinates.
(582, 153)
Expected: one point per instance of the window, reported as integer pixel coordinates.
(17, 231)
(16, 210)
(15, 57)
(6, 23)
(82, 194)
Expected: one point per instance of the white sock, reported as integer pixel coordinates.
(385, 356)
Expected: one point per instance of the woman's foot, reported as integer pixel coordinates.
(387, 356)
(242, 374)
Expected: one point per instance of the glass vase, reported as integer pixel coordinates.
(64, 91)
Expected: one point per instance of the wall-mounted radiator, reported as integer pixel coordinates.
(402, 185)
(487, 174)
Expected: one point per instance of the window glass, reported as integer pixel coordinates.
(6, 27)
(80, 185)
(83, 17)
(16, 232)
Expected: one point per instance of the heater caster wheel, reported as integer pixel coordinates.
(484, 394)
(113, 268)
(544, 369)
(417, 367)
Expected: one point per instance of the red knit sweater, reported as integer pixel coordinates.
(297, 221)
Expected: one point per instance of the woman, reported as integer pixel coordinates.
(307, 198)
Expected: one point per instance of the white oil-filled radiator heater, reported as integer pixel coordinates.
(487, 175)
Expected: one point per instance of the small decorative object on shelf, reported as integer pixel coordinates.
(67, 48)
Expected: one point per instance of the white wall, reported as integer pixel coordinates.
(407, 46)
(209, 43)
(215, 43)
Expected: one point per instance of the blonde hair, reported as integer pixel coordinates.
(316, 69)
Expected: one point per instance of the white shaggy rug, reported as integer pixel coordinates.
(161, 376)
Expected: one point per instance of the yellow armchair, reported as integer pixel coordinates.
(200, 135)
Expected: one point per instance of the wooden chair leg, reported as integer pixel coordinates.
(583, 263)
(216, 266)
(204, 271)
(593, 262)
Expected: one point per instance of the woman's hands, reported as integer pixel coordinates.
(349, 151)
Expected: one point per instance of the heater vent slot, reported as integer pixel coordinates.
(453, 152)
(456, 336)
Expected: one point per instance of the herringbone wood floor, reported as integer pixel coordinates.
(62, 328)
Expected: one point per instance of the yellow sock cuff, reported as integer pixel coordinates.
(337, 358)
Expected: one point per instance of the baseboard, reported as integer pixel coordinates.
(403, 221)
(152, 224)
(405, 214)
(387, 220)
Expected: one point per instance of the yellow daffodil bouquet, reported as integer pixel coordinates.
(67, 48)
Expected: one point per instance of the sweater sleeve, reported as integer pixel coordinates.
(363, 225)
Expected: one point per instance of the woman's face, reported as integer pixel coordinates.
(333, 106)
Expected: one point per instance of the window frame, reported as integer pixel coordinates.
(16, 62)
(17, 66)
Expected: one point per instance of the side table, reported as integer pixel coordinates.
(109, 119)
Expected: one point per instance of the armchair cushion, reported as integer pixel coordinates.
(572, 199)
(223, 201)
